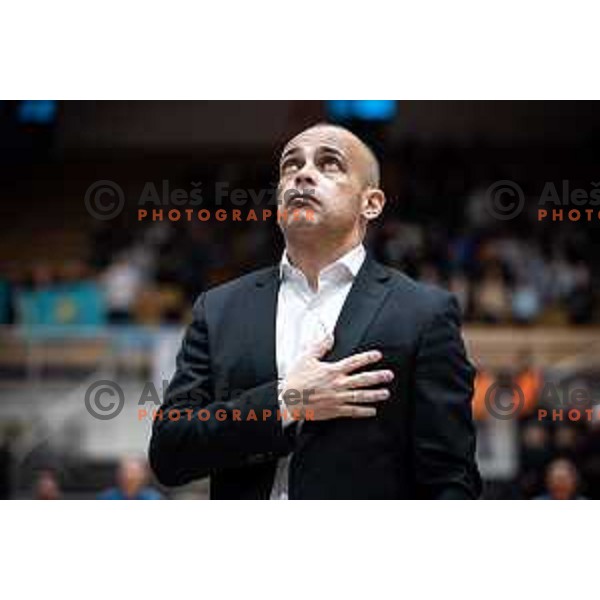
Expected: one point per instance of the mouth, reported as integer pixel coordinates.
(302, 200)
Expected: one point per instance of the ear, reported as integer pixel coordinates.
(373, 201)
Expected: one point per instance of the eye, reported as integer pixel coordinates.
(289, 166)
(331, 163)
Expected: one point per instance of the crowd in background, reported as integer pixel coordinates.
(558, 449)
(436, 227)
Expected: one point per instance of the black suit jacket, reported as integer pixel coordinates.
(420, 445)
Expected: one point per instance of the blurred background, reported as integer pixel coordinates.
(99, 295)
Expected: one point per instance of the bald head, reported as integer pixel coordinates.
(366, 161)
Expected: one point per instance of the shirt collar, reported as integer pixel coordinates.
(350, 263)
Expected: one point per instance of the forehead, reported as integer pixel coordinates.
(314, 138)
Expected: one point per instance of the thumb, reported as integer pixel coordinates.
(320, 348)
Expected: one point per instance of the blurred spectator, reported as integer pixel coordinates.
(567, 440)
(589, 458)
(430, 274)
(561, 280)
(132, 476)
(536, 453)
(491, 296)
(402, 244)
(526, 302)
(122, 282)
(484, 380)
(47, 487)
(459, 286)
(529, 381)
(580, 301)
(562, 481)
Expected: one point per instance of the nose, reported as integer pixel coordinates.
(305, 178)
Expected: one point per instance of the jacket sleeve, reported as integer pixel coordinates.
(444, 434)
(184, 446)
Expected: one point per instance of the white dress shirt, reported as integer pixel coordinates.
(304, 317)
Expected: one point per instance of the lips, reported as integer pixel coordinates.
(302, 199)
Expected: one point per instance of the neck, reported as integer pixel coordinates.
(312, 256)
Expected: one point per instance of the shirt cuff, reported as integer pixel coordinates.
(286, 413)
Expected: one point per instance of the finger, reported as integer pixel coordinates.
(363, 396)
(357, 412)
(320, 348)
(366, 379)
(356, 361)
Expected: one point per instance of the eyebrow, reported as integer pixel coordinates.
(287, 153)
(333, 150)
(324, 148)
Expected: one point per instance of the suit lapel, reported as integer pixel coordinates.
(367, 294)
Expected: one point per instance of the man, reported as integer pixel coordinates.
(376, 359)
(47, 487)
(132, 478)
(562, 481)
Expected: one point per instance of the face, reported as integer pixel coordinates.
(132, 476)
(323, 184)
(561, 480)
(47, 487)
